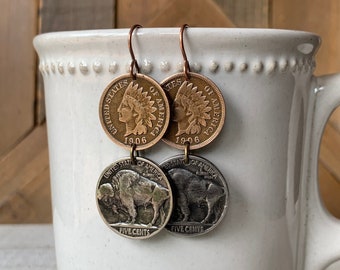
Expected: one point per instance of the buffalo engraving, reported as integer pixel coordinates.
(196, 199)
(130, 196)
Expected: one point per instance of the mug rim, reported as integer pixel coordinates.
(205, 36)
(168, 30)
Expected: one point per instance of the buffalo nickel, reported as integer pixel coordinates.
(134, 200)
(198, 110)
(134, 111)
(200, 195)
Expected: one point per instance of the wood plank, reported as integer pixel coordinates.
(64, 15)
(171, 13)
(30, 203)
(190, 11)
(329, 190)
(330, 151)
(18, 26)
(24, 181)
(247, 13)
(138, 11)
(334, 119)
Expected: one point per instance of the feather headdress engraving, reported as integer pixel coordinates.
(191, 109)
(136, 110)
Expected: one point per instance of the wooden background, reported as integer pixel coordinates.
(24, 170)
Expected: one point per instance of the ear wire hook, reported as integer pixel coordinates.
(181, 44)
(134, 64)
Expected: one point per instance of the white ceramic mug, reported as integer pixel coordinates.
(267, 150)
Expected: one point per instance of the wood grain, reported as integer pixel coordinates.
(329, 190)
(204, 13)
(330, 151)
(130, 12)
(63, 15)
(31, 203)
(247, 13)
(334, 120)
(18, 26)
(24, 181)
(191, 12)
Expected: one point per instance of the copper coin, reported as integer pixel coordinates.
(198, 110)
(134, 200)
(134, 111)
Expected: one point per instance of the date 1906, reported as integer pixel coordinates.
(183, 140)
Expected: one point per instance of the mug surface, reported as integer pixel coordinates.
(265, 77)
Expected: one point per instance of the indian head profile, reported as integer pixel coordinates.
(190, 109)
(136, 110)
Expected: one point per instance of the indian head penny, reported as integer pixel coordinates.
(134, 111)
(200, 195)
(198, 110)
(134, 200)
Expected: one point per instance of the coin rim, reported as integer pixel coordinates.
(166, 119)
(225, 183)
(170, 198)
(223, 109)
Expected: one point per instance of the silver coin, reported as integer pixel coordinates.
(200, 195)
(134, 200)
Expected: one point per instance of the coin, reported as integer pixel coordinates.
(134, 200)
(200, 195)
(198, 110)
(134, 111)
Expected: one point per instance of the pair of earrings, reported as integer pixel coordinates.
(186, 194)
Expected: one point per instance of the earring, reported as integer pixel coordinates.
(133, 194)
(131, 105)
(198, 113)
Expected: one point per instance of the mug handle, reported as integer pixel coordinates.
(319, 231)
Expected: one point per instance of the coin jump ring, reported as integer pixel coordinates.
(186, 152)
(133, 153)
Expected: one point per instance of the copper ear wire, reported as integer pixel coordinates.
(134, 64)
(186, 67)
